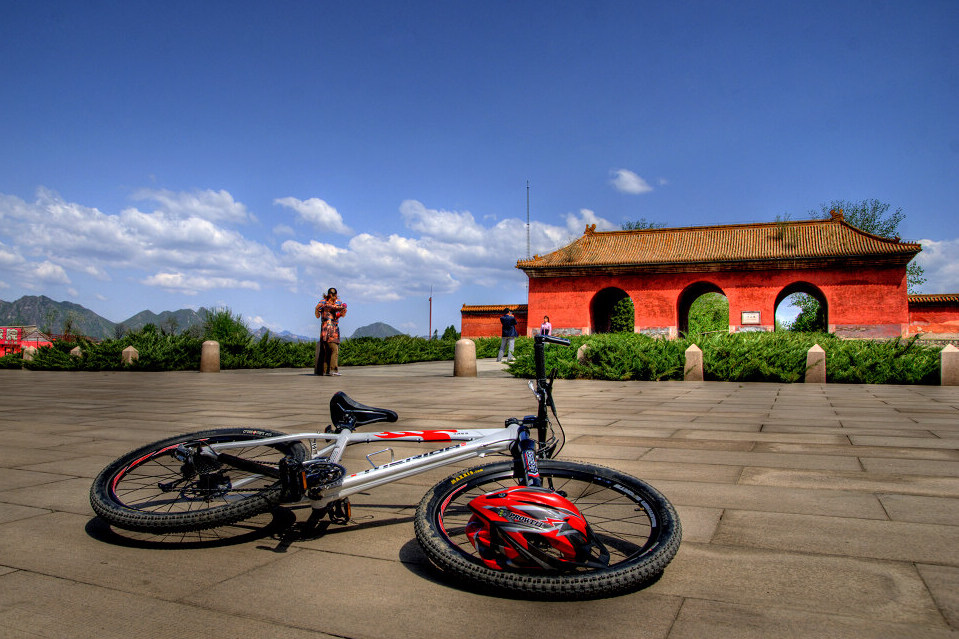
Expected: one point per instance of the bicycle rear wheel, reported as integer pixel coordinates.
(635, 523)
(150, 490)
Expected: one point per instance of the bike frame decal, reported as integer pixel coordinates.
(464, 475)
(425, 435)
(406, 460)
(532, 468)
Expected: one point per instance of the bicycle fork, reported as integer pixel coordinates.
(524, 452)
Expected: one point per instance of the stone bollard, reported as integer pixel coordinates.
(694, 364)
(582, 353)
(129, 355)
(210, 357)
(816, 365)
(76, 352)
(29, 352)
(464, 358)
(950, 366)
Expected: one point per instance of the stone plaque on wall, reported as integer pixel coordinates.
(655, 332)
(750, 318)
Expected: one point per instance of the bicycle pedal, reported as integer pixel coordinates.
(340, 511)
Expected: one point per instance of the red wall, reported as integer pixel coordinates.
(488, 325)
(861, 303)
(939, 319)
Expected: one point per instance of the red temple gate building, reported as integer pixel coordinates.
(859, 279)
(483, 321)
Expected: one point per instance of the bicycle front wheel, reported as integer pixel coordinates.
(151, 490)
(633, 521)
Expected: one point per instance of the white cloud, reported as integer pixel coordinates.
(449, 250)
(183, 236)
(215, 206)
(32, 274)
(47, 272)
(193, 284)
(317, 212)
(576, 223)
(315, 253)
(184, 246)
(940, 262)
(449, 226)
(626, 181)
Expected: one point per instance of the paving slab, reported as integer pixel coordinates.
(869, 538)
(808, 511)
(842, 586)
(700, 618)
(868, 482)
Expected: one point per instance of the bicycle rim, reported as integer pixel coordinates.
(148, 490)
(636, 524)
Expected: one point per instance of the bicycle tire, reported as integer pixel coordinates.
(128, 493)
(634, 520)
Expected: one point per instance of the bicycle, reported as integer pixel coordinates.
(531, 525)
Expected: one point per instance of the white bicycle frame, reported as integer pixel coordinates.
(475, 443)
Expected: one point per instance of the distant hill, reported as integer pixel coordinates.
(377, 329)
(56, 317)
(286, 336)
(171, 321)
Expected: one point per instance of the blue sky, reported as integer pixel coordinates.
(249, 155)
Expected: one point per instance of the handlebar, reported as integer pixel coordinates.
(544, 395)
(551, 339)
(539, 355)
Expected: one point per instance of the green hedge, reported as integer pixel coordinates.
(740, 357)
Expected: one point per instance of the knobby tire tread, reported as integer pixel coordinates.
(110, 508)
(625, 577)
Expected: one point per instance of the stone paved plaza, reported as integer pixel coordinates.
(808, 511)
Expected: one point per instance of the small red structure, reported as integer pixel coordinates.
(934, 316)
(858, 278)
(483, 321)
(14, 338)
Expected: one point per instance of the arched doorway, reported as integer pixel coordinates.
(601, 309)
(689, 295)
(817, 317)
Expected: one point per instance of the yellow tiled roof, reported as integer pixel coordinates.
(768, 245)
(493, 308)
(934, 298)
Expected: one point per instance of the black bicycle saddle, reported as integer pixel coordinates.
(348, 413)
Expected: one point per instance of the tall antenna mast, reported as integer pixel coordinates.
(527, 219)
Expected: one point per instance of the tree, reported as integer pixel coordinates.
(450, 334)
(170, 325)
(71, 323)
(709, 313)
(622, 318)
(811, 318)
(872, 216)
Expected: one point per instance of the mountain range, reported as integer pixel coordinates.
(61, 317)
(58, 318)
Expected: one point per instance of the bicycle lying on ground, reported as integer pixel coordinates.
(530, 525)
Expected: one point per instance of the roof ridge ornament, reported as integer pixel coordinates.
(836, 215)
(590, 229)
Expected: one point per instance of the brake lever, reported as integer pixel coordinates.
(536, 392)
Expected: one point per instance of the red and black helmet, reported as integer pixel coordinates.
(525, 527)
